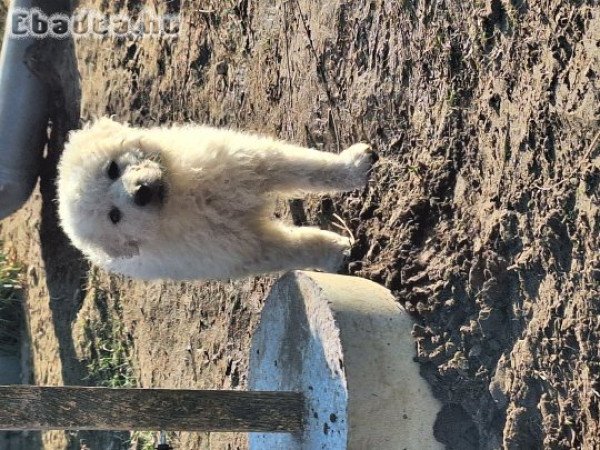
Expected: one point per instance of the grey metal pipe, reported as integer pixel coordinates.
(23, 119)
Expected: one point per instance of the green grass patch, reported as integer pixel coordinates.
(107, 344)
(142, 440)
(147, 440)
(106, 349)
(10, 302)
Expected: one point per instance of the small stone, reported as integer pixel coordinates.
(222, 68)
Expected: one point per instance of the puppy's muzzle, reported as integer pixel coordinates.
(149, 192)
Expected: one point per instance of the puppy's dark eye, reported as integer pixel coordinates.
(113, 171)
(115, 215)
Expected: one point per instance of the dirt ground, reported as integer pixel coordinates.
(483, 217)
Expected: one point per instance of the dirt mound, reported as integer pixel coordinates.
(483, 216)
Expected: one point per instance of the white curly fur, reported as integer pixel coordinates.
(214, 221)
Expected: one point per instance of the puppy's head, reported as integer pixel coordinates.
(111, 190)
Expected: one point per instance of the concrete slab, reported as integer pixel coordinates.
(346, 344)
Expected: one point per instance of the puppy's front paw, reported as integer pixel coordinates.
(359, 159)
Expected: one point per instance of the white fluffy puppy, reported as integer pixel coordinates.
(192, 202)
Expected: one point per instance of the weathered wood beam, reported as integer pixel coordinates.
(91, 408)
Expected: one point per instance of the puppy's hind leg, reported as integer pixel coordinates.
(289, 248)
(288, 168)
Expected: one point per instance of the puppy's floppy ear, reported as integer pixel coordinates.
(117, 249)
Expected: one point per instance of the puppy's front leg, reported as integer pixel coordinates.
(288, 168)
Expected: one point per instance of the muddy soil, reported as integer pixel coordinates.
(483, 216)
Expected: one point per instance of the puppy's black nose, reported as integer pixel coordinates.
(146, 193)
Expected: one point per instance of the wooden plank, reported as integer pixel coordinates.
(91, 408)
